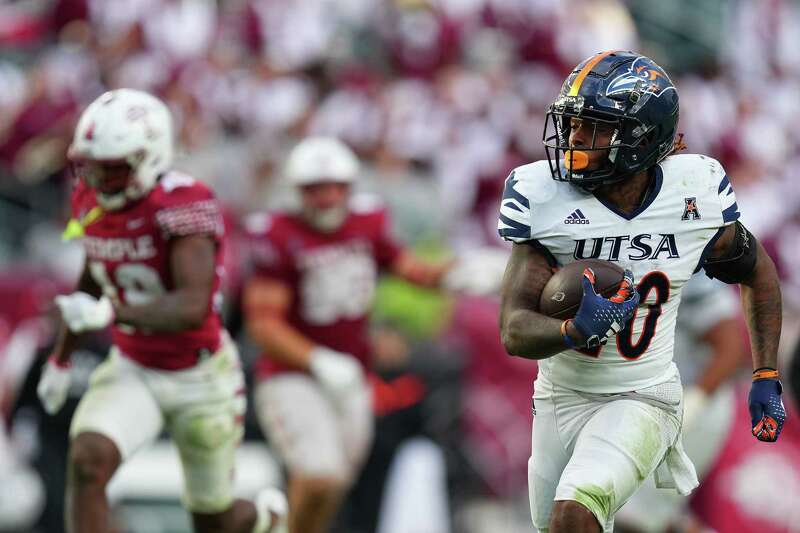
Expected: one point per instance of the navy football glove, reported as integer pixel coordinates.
(599, 318)
(767, 414)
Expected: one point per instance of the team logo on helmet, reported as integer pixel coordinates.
(643, 72)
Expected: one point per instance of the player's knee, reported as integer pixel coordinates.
(206, 432)
(93, 459)
(572, 516)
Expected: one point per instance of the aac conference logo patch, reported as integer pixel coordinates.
(690, 210)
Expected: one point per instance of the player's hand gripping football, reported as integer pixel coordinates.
(53, 385)
(599, 318)
(766, 408)
(83, 312)
(338, 373)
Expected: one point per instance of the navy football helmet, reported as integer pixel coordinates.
(629, 94)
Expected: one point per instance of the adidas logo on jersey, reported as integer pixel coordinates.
(576, 217)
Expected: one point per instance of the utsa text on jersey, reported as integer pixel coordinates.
(639, 248)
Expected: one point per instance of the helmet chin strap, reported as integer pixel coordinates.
(118, 200)
(594, 185)
(326, 220)
(111, 202)
(612, 154)
(577, 160)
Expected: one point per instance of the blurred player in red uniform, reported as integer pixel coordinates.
(307, 307)
(153, 240)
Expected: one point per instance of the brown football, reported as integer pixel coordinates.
(562, 295)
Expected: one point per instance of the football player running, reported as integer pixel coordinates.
(153, 240)
(307, 307)
(608, 398)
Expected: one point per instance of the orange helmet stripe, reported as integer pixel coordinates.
(576, 85)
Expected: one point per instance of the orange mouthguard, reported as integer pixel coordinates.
(575, 160)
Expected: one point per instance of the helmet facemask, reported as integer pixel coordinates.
(113, 180)
(326, 220)
(569, 163)
(324, 205)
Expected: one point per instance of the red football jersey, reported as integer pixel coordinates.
(127, 252)
(332, 275)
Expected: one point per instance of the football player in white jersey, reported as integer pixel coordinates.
(608, 398)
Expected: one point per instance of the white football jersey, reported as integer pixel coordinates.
(663, 242)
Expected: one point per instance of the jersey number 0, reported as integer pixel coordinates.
(626, 346)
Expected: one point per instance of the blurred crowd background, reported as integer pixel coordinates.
(440, 98)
